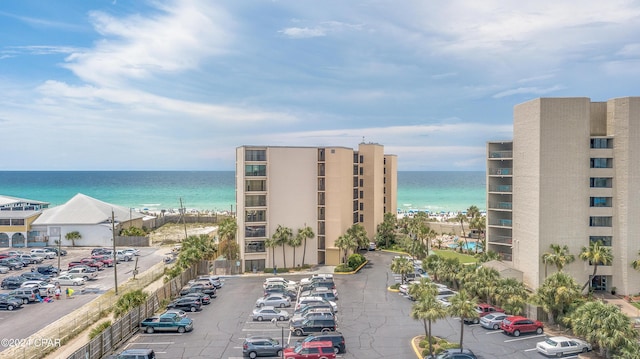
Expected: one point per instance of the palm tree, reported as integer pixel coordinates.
(488, 256)
(486, 280)
(464, 307)
(272, 244)
(636, 264)
(479, 223)
(358, 234)
(344, 243)
(556, 295)
(511, 295)
(432, 265)
(461, 217)
(282, 236)
(402, 266)
(596, 254)
(73, 237)
(428, 309)
(305, 233)
(227, 233)
(295, 242)
(558, 256)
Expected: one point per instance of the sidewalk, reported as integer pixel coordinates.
(626, 307)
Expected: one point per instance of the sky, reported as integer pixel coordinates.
(178, 85)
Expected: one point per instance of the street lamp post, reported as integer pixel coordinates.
(115, 255)
(275, 321)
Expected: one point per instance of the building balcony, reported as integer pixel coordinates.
(501, 154)
(501, 188)
(501, 171)
(500, 240)
(501, 205)
(501, 222)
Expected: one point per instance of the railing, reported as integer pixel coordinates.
(501, 154)
(500, 222)
(500, 239)
(506, 171)
(500, 205)
(501, 188)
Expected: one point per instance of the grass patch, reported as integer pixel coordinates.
(463, 258)
(99, 329)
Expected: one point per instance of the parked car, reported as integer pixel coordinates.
(516, 325)
(12, 263)
(35, 276)
(133, 251)
(186, 303)
(31, 258)
(205, 299)
(274, 300)
(12, 282)
(67, 280)
(559, 346)
(311, 350)
(45, 269)
(306, 300)
(43, 287)
(60, 252)
(454, 354)
(281, 291)
(213, 280)
(313, 305)
(179, 312)
(201, 288)
(81, 272)
(4, 270)
(41, 252)
(289, 284)
(493, 320)
(123, 256)
(253, 347)
(136, 354)
(105, 259)
(268, 313)
(336, 339)
(99, 251)
(313, 326)
(167, 323)
(312, 315)
(9, 303)
(483, 309)
(26, 295)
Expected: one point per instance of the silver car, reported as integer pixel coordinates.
(492, 321)
(559, 346)
(274, 300)
(269, 313)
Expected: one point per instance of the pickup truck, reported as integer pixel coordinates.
(80, 273)
(170, 322)
(89, 262)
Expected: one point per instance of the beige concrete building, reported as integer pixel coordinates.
(326, 188)
(570, 176)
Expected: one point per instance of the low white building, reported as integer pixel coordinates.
(90, 217)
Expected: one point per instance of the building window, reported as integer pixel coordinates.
(601, 162)
(604, 240)
(254, 246)
(361, 171)
(601, 182)
(601, 143)
(5, 222)
(361, 218)
(361, 183)
(254, 265)
(355, 193)
(255, 215)
(355, 206)
(361, 194)
(361, 159)
(254, 231)
(362, 206)
(355, 170)
(600, 201)
(600, 221)
(255, 155)
(256, 185)
(255, 170)
(355, 217)
(258, 200)
(17, 222)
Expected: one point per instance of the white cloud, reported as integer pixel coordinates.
(322, 29)
(302, 32)
(528, 90)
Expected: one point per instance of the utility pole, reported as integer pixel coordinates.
(115, 255)
(184, 220)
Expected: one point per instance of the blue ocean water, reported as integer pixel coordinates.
(215, 190)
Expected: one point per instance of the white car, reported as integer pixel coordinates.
(304, 300)
(134, 251)
(67, 280)
(39, 252)
(4, 269)
(289, 284)
(559, 346)
(42, 286)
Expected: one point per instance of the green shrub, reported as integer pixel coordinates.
(279, 270)
(355, 260)
(395, 286)
(341, 268)
(99, 329)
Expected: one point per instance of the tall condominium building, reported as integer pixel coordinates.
(326, 188)
(570, 176)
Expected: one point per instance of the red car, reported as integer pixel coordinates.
(516, 325)
(311, 350)
(107, 260)
(484, 309)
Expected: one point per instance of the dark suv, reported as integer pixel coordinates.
(313, 326)
(46, 270)
(336, 338)
(12, 282)
(137, 354)
(186, 303)
(261, 346)
(55, 250)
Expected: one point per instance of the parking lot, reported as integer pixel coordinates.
(24, 322)
(375, 322)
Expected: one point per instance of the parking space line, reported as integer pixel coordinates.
(150, 343)
(525, 338)
(494, 332)
(262, 330)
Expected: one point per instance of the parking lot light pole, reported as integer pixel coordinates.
(275, 321)
(115, 256)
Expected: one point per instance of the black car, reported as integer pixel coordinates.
(46, 270)
(35, 276)
(199, 288)
(186, 304)
(454, 354)
(98, 251)
(10, 303)
(204, 298)
(336, 338)
(12, 264)
(12, 282)
(314, 326)
(55, 250)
